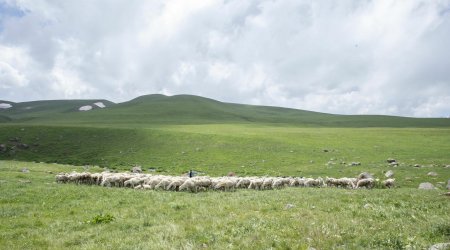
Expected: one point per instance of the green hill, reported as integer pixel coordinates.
(174, 133)
(188, 109)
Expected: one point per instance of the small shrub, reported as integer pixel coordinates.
(101, 218)
(147, 224)
(390, 242)
(177, 206)
(442, 229)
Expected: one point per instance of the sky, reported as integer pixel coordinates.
(346, 57)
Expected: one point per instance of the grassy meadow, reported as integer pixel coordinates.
(171, 135)
(244, 149)
(36, 212)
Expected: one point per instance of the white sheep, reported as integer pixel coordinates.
(145, 181)
(281, 182)
(164, 183)
(225, 184)
(367, 183)
(113, 180)
(135, 181)
(301, 181)
(62, 178)
(153, 181)
(310, 182)
(176, 183)
(96, 178)
(346, 182)
(203, 182)
(267, 183)
(294, 182)
(188, 185)
(243, 183)
(256, 183)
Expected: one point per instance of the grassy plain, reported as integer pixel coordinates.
(172, 135)
(244, 149)
(35, 212)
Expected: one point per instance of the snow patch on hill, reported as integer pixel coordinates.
(5, 105)
(85, 108)
(100, 104)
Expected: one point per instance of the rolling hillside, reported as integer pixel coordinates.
(178, 132)
(187, 109)
(26, 111)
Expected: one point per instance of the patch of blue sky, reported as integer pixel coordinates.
(9, 11)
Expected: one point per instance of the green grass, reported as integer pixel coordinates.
(175, 134)
(35, 212)
(243, 149)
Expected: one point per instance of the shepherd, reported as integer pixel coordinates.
(191, 173)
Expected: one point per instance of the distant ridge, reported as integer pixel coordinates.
(157, 109)
(22, 111)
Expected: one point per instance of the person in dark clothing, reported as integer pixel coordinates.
(191, 174)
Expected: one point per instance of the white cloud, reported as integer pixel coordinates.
(11, 77)
(13, 63)
(363, 57)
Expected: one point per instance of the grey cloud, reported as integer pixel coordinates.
(364, 57)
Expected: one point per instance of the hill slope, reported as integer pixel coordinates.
(188, 109)
(26, 111)
(217, 138)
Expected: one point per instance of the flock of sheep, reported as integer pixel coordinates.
(226, 183)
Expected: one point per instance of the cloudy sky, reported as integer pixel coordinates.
(348, 57)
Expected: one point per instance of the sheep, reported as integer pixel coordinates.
(331, 182)
(188, 185)
(116, 180)
(62, 178)
(354, 181)
(256, 183)
(135, 181)
(267, 183)
(281, 182)
(301, 182)
(367, 183)
(96, 178)
(243, 183)
(176, 183)
(310, 182)
(164, 183)
(153, 181)
(202, 182)
(294, 182)
(111, 180)
(80, 178)
(389, 183)
(346, 182)
(145, 181)
(225, 184)
(73, 177)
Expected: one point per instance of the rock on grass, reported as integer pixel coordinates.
(426, 185)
